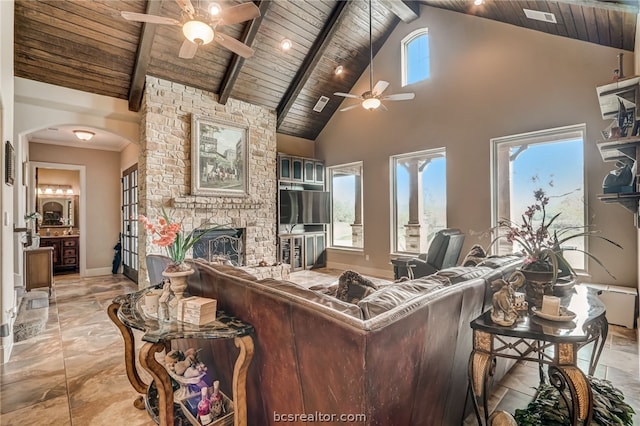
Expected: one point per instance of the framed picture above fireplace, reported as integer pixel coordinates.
(219, 158)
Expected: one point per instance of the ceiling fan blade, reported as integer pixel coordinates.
(382, 107)
(350, 107)
(187, 7)
(380, 87)
(347, 95)
(188, 50)
(152, 19)
(399, 97)
(234, 45)
(240, 13)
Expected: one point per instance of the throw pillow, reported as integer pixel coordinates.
(475, 256)
(352, 287)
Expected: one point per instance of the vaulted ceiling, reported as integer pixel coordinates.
(88, 46)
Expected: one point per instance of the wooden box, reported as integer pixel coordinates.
(190, 409)
(197, 310)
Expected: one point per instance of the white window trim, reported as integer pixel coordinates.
(559, 133)
(392, 194)
(403, 51)
(329, 181)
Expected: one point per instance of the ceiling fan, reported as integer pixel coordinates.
(372, 98)
(200, 26)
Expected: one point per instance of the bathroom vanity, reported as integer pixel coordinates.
(66, 252)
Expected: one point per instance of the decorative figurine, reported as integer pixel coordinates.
(503, 311)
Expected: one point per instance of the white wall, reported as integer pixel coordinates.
(6, 193)
(488, 79)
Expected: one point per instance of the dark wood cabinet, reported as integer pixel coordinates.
(38, 268)
(66, 252)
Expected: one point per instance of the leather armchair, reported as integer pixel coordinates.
(156, 263)
(444, 252)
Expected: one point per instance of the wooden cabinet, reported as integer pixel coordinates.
(66, 252)
(38, 268)
(303, 251)
(298, 169)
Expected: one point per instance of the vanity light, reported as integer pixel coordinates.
(48, 190)
(59, 191)
(69, 191)
(84, 135)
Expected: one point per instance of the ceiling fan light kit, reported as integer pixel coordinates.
(372, 99)
(198, 32)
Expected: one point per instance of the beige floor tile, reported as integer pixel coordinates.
(53, 411)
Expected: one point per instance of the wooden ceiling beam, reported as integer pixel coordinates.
(233, 70)
(311, 60)
(406, 10)
(143, 56)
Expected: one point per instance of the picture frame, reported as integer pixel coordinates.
(9, 164)
(219, 158)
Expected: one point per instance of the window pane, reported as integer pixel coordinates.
(416, 57)
(420, 199)
(552, 161)
(346, 206)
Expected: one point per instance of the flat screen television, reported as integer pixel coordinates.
(304, 207)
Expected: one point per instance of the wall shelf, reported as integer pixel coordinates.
(621, 149)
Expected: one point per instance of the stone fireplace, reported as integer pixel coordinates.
(165, 169)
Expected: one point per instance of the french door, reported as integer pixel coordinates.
(130, 223)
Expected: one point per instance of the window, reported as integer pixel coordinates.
(415, 57)
(551, 160)
(346, 205)
(419, 199)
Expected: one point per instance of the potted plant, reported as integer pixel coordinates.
(544, 245)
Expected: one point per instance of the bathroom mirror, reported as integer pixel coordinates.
(56, 211)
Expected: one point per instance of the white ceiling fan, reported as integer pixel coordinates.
(372, 98)
(200, 26)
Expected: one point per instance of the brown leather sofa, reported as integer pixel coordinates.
(399, 356)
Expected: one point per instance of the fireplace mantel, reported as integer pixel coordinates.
(199, 202)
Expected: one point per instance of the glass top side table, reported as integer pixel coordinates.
(550, 343)
(127, 313)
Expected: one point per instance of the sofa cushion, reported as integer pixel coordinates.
(500, 261)
(315, 297)
(458, 274)
(395, 295)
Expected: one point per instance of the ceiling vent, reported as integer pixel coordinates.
(322, 102)
(540, 16)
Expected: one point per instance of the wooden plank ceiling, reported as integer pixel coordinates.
(88, 46)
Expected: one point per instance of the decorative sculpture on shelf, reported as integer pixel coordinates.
(619, 180)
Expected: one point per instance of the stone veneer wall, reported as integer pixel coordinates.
(164, 168)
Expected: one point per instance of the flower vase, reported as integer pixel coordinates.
(178, 280)
(537, 284)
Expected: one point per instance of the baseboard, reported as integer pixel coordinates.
(94, 272)
(374, 272)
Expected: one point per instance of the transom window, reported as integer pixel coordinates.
(415, 57)
(419, 199)
(346, 205)
(551, 160)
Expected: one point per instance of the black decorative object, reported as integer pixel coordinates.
(9, 163)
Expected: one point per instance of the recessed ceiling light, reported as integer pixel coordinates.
(215, 9)
(286, 44)
(339, 70)
(84, 135)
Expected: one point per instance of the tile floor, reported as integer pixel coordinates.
(73, 373)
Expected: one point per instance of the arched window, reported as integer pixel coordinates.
(415, 57)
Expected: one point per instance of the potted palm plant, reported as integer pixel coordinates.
(544, 246)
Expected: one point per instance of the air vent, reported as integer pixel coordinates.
(540, 16)
(322, 102)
